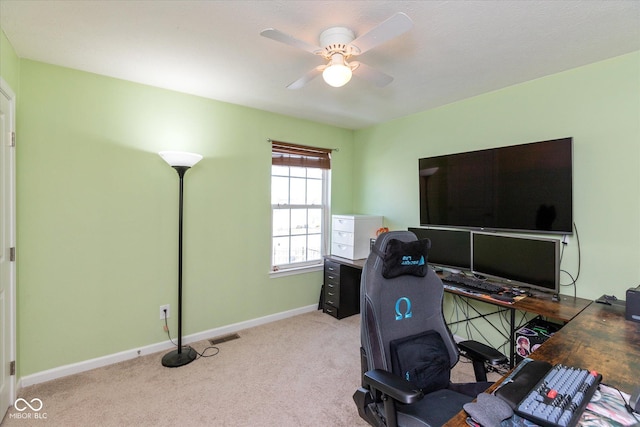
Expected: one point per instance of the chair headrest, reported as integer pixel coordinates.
(383, 239)
(402, 254)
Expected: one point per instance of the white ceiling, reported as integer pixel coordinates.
(456, 50)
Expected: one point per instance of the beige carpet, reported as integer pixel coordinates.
(300, 371)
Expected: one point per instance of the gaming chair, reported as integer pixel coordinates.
(407, 349)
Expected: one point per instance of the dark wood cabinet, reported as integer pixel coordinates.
(341, 287)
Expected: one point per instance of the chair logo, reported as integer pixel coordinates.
(408, 260)
(399, 314)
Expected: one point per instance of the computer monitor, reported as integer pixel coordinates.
(449, 248)
(533, 262)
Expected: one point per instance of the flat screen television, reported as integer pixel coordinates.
(525, 188)
(532, 262)
(449, 248)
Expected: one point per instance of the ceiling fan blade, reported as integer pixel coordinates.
(372, 75)
(398, 24)
(310, 75)
(281, 37)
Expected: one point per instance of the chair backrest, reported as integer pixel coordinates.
(400, 307)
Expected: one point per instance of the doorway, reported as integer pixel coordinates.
(7, 249)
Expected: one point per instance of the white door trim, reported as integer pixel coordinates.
(5, 91)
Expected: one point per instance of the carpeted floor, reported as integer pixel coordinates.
(300, 371)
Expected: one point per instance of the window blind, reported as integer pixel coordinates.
(287, 154)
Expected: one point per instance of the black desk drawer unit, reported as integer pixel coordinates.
(341, 289)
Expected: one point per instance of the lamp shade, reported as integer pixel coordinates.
(180, 158)
(338, 73)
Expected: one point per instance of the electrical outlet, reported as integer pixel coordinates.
(565, 239)
(166, 307)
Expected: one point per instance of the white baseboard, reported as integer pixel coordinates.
(87, 365)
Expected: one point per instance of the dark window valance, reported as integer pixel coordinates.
(286, 154)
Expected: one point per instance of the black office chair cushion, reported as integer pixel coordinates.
(435, 409)
(402, 258)
(422, 359)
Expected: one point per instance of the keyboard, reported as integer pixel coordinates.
(472, 283)
(560, 397)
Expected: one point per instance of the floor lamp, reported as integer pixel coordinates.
(181, 162)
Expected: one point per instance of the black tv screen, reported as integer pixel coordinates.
(449, 248)
(530, 261)
(526, 187)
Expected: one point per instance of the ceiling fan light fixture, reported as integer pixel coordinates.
(338, 73)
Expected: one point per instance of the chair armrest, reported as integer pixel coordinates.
(393, 386)
(478, 351)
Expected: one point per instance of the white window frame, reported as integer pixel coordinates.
(313, 265)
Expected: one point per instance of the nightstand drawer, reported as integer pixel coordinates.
(344, 251)
(342, 237)
(340, 296)
(331, 274)
(351, 234)
(332, 295)
(331, 287)
(343, 224)
(332, 279)
(330, 310)
(331, 267)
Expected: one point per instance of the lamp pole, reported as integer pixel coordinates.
(181, 162)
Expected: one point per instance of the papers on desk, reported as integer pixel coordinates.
(607, 409)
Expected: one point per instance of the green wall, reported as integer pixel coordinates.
(98, 210)
(598, 105)
(9, 64)
(97, 207)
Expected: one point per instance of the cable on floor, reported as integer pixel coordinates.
(199, 355)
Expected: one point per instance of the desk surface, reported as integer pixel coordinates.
(599, 338)
(563, 310)
(355, 263)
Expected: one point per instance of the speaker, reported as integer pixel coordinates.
(633, 304)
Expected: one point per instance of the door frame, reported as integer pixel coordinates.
(6, 91)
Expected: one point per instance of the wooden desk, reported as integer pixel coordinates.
(598, 338)
(564, 310)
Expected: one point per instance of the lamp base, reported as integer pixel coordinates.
(173, 359)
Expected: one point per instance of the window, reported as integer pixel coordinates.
(299, 205)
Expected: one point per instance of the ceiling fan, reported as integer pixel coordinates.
(339, 45)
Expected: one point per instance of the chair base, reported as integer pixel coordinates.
(175, 358)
